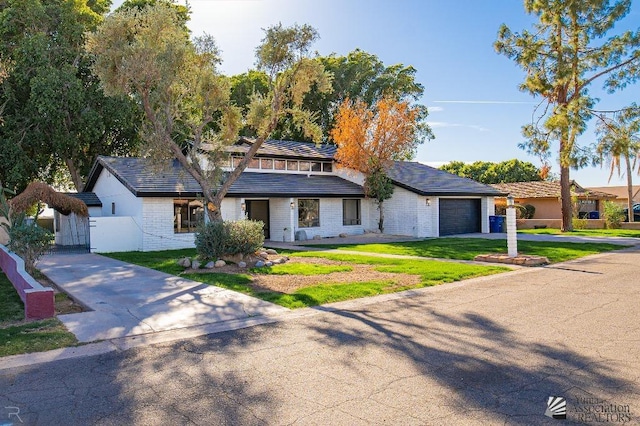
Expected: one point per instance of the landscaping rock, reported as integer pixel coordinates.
(268, 263)
(301, 235)
(195, 264)
(185, 262)
(220, 263)
(317, 237)
(242, 264)
(278, 261)
(236, 258)
(210, 265)
(260, 264)
(271, 251)
(343, 235)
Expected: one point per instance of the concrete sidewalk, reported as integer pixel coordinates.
(129, 300)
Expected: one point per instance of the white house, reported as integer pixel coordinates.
(295, 188)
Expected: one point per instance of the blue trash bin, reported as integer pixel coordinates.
(495, 224)
(594, 214)
(501, 223)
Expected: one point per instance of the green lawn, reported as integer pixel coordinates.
(431, 273)
(585, 232)
(307, 269)
(17, 337)
(468, 248)
(164, 261)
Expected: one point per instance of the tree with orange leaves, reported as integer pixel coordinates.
(369, 139)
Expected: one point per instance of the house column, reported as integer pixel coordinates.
(292, 211)
(243, 209)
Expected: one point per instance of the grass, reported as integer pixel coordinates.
(306, 269)
(431, 273)
(11, 307)
(36, 336)
(468, 248)
(164, 261)
(17, 337)
(585, 232)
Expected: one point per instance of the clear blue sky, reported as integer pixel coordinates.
(472, 92)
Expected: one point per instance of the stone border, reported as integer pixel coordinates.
(38, 300)
(521, 260)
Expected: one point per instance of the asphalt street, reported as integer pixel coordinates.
(488, 351)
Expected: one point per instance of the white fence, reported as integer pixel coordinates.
(114, 233)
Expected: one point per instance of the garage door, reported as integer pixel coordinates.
(460, 216)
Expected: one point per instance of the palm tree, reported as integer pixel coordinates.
(618, 141)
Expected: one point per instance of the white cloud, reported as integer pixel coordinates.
(435, 109)
(443, 124)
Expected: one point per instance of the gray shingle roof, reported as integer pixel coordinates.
(89, 198)
(426, 180)
(144, 180)
(288, 149)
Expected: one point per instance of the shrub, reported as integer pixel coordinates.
(210, 240)
(216, 239)
(579, 223)
(244, 236)
(613, 215)
(29, 241)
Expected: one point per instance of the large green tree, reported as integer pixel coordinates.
(56, 118)
(489, 172)
(562, 55)
(357, 76)
(619, 142)
(146, 53)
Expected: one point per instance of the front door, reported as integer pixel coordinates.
(259, 210)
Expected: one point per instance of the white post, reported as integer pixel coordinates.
(243, 209)
(512, 233)
(292, 211)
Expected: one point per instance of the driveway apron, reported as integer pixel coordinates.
(128, 300)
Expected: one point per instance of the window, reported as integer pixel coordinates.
(188, 214)
(266, 163)
(308, 213)
(350, 212)
(113, 208)
(316, 166)
(292, 165)
(304, 166)
(254, 163)
(327, 167)
(279, 164)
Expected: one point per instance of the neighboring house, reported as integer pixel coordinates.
(295, 188)
(545, 197)
(620, 192)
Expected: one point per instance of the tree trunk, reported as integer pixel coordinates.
(629, 189)
(75, 175)
(565, 199)
(381, 221)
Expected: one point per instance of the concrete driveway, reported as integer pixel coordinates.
(129, 300)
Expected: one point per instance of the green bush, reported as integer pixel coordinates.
(244, 236)
(613, 215)
(210, 240)
(579, 223)
(216, 239)
(29, 241)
